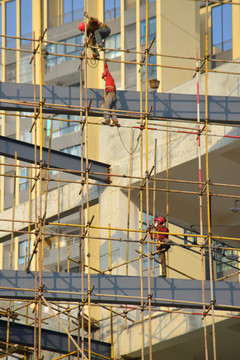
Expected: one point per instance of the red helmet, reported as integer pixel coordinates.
(160, 219)
(81, 27)
(104, 74)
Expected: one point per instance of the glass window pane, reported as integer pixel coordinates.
(108, 4)
(25, 70)
(11, 23)
(152, 26)
(26, 19)
(70, 49)
(67, 6)
(78, 4)
(78, 9)
(227, 27)
(217, 27)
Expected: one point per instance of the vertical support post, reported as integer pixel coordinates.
(141, 212)
(208, 186)
(87, 196)
(129, 198)
(201, 208)
(110, 265)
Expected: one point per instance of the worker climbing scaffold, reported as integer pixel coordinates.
(97, 32)
(163, 243)
(109, 97)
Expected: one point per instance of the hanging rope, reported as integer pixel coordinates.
(129, 152)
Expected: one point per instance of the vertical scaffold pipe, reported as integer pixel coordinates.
(147, 186)
(129, 198)
(201, 208)
(207, 185)
(87, 192)
(81, 244)
(40, 184)
(141, 213)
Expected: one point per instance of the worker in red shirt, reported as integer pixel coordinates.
(97, 32)
(163, 244)
(109, 97)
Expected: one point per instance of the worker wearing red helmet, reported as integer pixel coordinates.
(163, 243)
(109, 97)
(97, 32)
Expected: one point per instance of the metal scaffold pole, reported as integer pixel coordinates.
(208, 187)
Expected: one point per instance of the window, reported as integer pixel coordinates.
(151, 30)
(11, 72)
(26, 136)
(11, 23)
(113, 42)
(112, 9)
(152, 70)
(143, 2)
(23, 251)
(60, 127)
(222, 31)
(26, 20)
(53, 60)
(225, 259)
(23, 181)
(73, 10)
(73, 150)
(144, 226)
(192, 239)
(25, 70)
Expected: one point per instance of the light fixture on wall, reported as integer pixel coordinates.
(236, 208)
(154, 83)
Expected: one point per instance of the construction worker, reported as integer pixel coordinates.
(163, 244)
(109, 97)
(97, 32)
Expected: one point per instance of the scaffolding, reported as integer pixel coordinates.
(147, 185)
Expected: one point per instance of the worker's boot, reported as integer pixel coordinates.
(115, 123)
(105, 122)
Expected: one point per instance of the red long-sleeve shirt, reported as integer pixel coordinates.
(110, 84)
(160, 237)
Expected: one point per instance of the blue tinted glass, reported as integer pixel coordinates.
(67, 6)
(152, 26)
(26, 19)
(108, 4)
(216, 26)
(143, 28)
(11, 22)
(222, 27)
(78, 8)
(227, 22)
(78, 4)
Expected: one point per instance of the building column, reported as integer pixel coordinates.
(236, 30)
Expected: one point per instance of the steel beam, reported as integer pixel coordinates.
(58, 159)
(221, 109)
(50, 340)
(118, 289)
